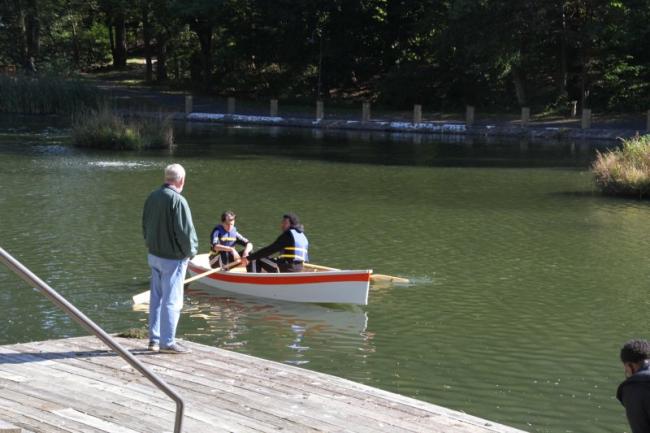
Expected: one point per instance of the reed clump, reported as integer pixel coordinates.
(104, 129)
(26, 94)
(625, 171)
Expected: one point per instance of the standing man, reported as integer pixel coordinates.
(171, 240)
(634, 392)
(291, 247)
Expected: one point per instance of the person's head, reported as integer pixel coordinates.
(634, 355)
(290, 221)
(175, 176)
(228, 219)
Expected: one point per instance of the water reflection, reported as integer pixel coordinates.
(380, 147)
(235, 322)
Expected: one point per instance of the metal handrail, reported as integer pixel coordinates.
(24, 273)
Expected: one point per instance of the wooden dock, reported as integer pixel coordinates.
(77, 385)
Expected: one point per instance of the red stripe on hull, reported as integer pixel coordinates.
(283, 279)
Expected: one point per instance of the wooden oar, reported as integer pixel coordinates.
(381, 278)
(211, 271)
(143, 298)
(375, 278)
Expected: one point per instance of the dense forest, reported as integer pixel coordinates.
(499, 54)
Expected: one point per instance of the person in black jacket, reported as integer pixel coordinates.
(634, 392)
(291, 249)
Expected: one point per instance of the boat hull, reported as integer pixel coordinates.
(340, 287)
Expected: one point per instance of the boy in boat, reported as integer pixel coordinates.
(292, 246)
(223, 239)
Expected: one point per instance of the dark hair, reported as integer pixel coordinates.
(227, 214)
(635, 351)
(293, 220)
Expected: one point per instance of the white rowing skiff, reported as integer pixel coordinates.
(313, 285)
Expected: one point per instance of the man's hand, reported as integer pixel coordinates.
(245, 261)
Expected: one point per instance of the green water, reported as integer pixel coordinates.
(526, 282)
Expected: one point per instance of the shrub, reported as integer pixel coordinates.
(103, 129)
(625, 171)
(24, 94)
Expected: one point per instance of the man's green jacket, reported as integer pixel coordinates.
(167, 225)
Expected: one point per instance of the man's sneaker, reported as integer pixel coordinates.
(175, 348)
(153, 346)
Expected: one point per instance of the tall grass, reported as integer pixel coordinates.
(625, 171)
(24, 94)
(103, 129)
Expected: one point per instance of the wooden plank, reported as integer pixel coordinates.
(364, 411)
(100, 406)
(152, 397)
(28, 424)
(363, 398)
(5, 427)
(259, 404)
(266, 399)
(235, 405)
(343, 387)
(31, 410)
(89, 420)
(224, 391)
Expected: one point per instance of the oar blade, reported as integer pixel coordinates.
(388, 279)
(141, 298)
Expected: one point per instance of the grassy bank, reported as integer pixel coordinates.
(625, 171)
(103, 129)
(24, 94)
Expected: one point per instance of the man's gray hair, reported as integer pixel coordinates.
(174, 173)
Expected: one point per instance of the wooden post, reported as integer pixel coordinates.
(525, 116)
(586, 118)
(231, 105)
(469, 115)
(365, 112)
(647, 123)
(274, 108)
(417, 113)
(574, 108)
(320, 111)
(188, 104)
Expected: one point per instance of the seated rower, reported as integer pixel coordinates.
(292, 246)
(223, 239)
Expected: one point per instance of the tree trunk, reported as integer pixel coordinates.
(563, 82)
(119, 57)
(76, 49)
(33, 30)
(204, 32)
(146, 38)
(161, 64)
(21, 37)
(520, 88)
(584, 88)
(111, 37)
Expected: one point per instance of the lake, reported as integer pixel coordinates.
(526, 280)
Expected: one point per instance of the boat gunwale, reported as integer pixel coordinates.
(285, 278)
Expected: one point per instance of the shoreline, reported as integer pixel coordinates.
(427, 127)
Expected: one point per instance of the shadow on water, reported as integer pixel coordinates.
(596, 194)
(46, 135)
(380, 148)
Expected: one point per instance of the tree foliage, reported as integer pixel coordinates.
(491, 53)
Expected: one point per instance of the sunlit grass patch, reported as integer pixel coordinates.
(625, 171)
(104, 129)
